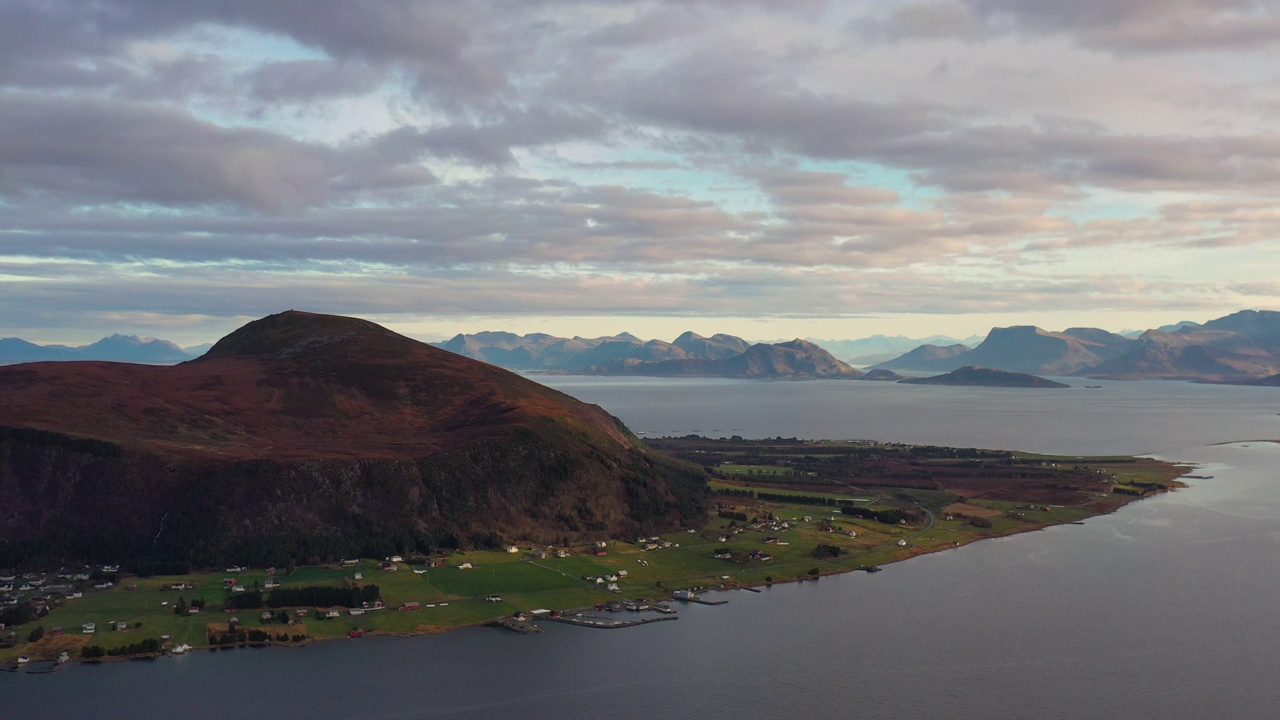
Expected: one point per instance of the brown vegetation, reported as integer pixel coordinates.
(309, 437)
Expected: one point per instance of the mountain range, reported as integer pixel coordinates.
(795, 359)
(1238, 347)
(879, 348)
(116, 348)
(537, 351)
(303, 437)
(1242, 347)
(690, 355)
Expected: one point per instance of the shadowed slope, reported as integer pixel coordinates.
(331, 435)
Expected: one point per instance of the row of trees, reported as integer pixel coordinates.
(144, 647)
(891, 516)
(322, 596)
(782, 497)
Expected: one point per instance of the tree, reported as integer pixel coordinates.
(826, 551)
(36, 634)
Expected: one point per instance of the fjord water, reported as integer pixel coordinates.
(1165, 609)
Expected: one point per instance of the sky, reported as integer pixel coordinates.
(769, 169)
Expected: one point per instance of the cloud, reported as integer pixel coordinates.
(307, 80)
(93, 150)
(126, 152)
(682, 156)
(1116, 25)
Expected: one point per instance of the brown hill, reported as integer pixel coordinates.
(1022, 349)
(1028, 349)
(304, 436)
(1239, 346)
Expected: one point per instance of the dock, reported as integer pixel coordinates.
(605, 623)
(524, 627)
(700, 601)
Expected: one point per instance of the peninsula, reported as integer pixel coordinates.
(780, 510)
(317, 477)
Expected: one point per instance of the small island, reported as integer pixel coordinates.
(973, 376)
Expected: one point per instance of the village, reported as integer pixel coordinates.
(760, 533)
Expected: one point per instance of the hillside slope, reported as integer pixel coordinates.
(1239, 346)
(303, 436)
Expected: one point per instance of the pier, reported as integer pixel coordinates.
(524, 627)
(691, 596)
(594, 621)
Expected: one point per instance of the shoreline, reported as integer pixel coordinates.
(923, 540)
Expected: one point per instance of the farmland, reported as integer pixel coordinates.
(781, 510)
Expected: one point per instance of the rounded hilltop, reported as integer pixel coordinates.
(316, 430)
(293, 333)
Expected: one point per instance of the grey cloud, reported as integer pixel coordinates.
(734, 90)
(1117, 25)
(918, 20)
(95, 151)
(792, 187)
(490, 143)
(305, 80)
(254, 220)
(434, 41)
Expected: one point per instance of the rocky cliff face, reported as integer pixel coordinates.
(306, 436)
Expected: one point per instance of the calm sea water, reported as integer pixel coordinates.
(1166, 609)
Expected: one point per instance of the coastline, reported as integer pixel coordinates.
(900, 544)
